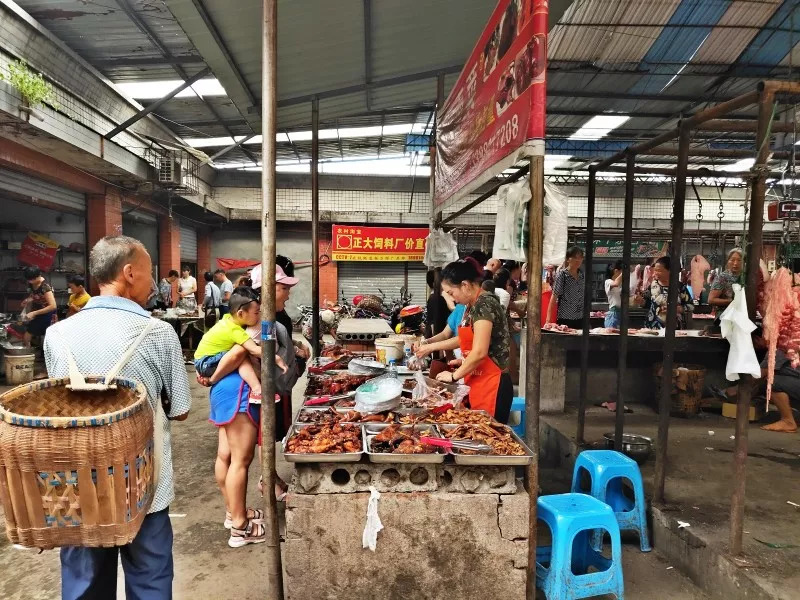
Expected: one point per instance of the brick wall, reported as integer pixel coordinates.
(169, 249)
(103, 217)
(328, 274)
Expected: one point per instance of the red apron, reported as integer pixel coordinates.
(484, 381)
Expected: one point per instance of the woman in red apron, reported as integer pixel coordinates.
(484, 341)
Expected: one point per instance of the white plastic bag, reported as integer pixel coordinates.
(736, 328)
(511, 227)
(556, 219)
(369, 539)
(429, 389)
(379, 394)
(441, 249)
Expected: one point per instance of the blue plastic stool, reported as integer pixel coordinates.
(562, 569)
(607, 469)
(518, 405)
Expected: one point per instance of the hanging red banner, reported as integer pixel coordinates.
(498, 103)
(236, 264)
(38, 251)
(352, 242)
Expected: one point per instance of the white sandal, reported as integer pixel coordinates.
(253, 533)
(253, 514)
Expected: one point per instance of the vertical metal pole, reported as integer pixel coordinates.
(672, 315)
(315, 226)
(746, 383)
(622, 363)
(435, 217)
(587, 305)
(273, 570)
(534, 354)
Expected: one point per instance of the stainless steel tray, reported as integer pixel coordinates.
(491, 459)
(372, 429)
(318, 458)
(423, 413)
(310, 409)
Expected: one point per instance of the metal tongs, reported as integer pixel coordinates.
(326, 399)
(457, 444)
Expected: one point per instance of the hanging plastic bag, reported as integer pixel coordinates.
(441, 249)
(556, 220)
(379, 394)
(369, 539)
(736, 328)
(435, 393)
(511, 227)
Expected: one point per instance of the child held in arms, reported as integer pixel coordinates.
(227, 347)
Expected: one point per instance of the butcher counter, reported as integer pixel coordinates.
(561, 365)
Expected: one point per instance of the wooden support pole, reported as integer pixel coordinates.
(533, 353)
(315, 332)
(269, 78)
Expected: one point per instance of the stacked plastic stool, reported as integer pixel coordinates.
(518, 405)
(562, 570)
(608, 469)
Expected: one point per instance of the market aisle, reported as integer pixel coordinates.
(204, 565)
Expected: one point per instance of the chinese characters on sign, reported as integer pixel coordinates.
(640, 249)
(38, 251)
(498, 102)
(352, 242)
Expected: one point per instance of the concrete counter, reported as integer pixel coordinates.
(434, 545)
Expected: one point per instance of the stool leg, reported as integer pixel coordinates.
(599, 491)
(576, 478)
(641, 509)
(616, 558)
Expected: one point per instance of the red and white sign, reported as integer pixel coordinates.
(498, 102)
(38, 251)
(353, 242)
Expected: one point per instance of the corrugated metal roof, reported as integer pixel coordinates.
(724, 45)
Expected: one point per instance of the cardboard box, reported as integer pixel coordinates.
(729, 411)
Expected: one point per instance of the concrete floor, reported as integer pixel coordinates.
(698, 486)
(204, 565)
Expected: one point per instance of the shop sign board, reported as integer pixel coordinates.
(357, 243)
(639, 249)
(38, 251)
(497, 104)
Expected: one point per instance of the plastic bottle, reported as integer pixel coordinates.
(408, 355)
(392, 370)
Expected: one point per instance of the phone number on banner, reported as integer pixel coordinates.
(505, 134)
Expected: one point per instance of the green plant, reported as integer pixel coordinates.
(31, 85)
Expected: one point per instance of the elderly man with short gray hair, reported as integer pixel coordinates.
(97, 337)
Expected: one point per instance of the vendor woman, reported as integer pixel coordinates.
(655, 297)
(483, 339)
(566, 303)
(613, 287)
(721, 294)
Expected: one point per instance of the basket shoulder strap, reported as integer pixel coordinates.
(112, 374)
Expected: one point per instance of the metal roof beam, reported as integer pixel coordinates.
(577, 93)
(153, 61)
(157, 104)
(362, 87)
(196, 22)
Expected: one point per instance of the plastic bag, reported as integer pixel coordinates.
(736, 328)
(441, 249)
(511, 227)
(556, 219)
(431, 390)
(369, 538)
(378, 395)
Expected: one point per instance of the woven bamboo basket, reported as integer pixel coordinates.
(76, 468)
(688, 382)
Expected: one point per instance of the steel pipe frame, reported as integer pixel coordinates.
(273, 571)
(587, 306)
(622, 359)
(753, 252)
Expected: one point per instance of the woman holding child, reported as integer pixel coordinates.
(236, 408)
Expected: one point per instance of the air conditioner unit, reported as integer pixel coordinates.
(169, 170)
